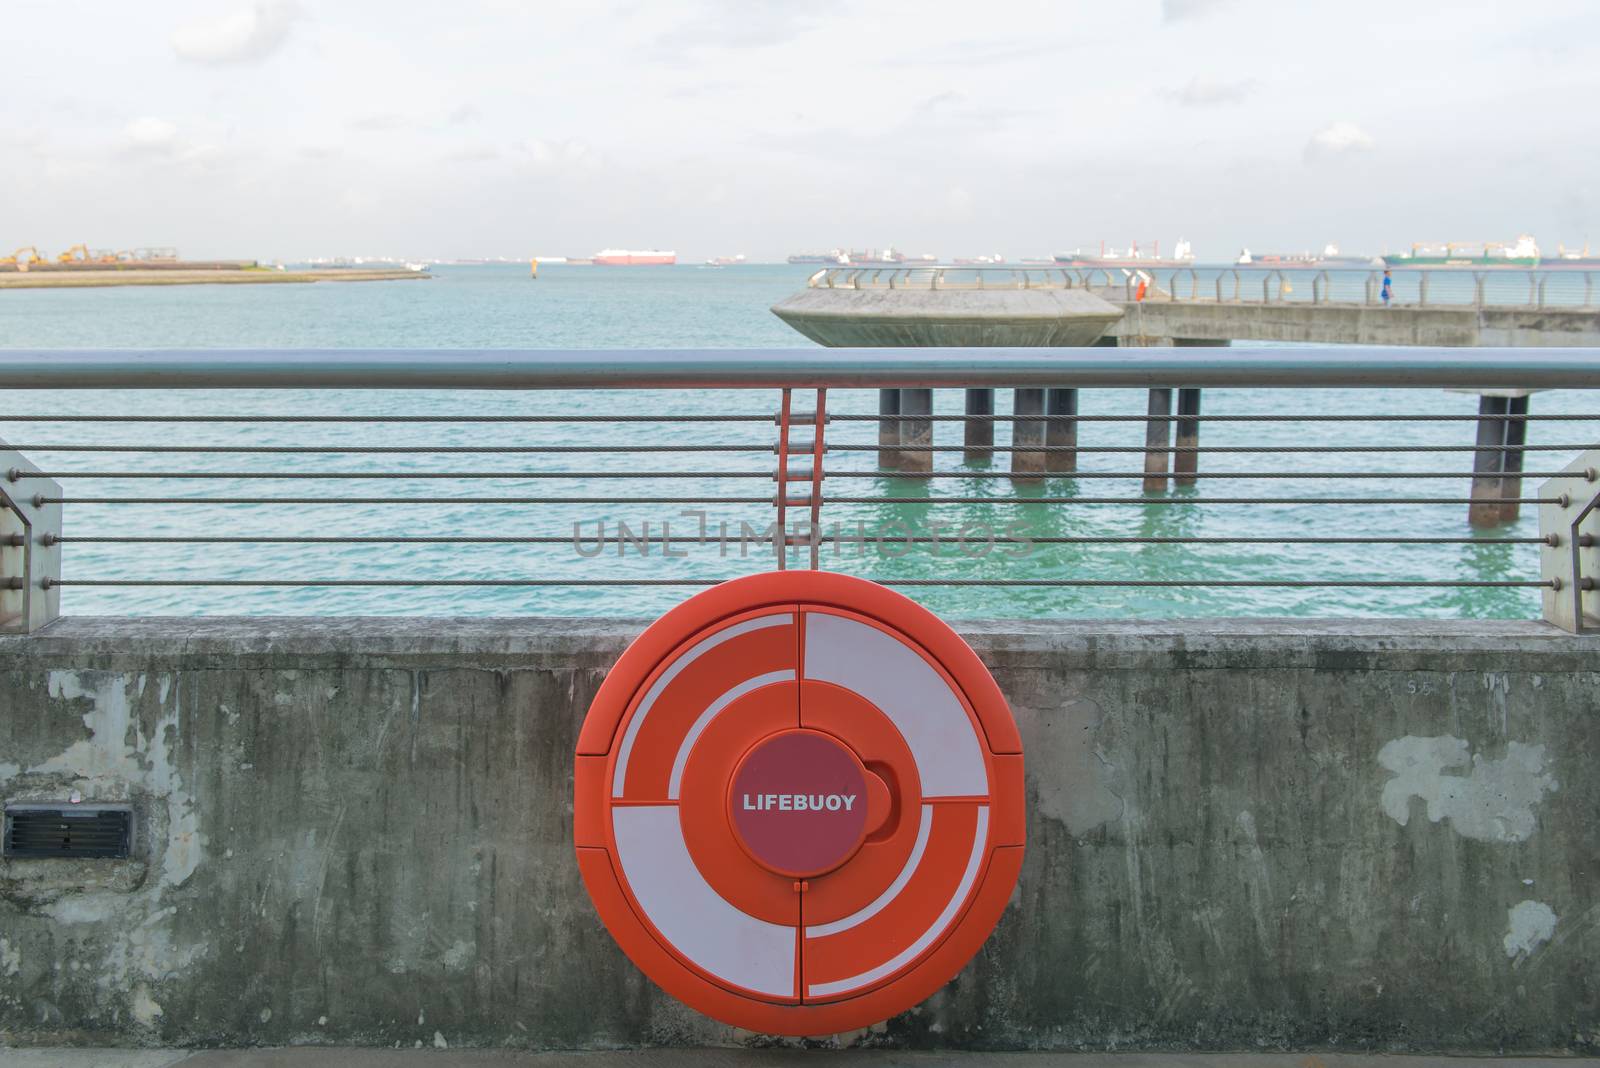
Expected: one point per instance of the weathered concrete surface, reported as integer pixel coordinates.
(1243, 835)
(948, 317)
(344, 1057)
(1360, 324)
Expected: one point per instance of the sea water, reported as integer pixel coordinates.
(689, 307)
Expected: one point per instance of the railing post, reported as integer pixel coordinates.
(1542, 280)
(1422, 289)
(30, 547)
(1570, 558)
(1478, 279)
(1372, 287)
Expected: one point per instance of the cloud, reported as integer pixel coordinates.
(1202, 92)
(1338, 139)
(246, 35)
(379, 123)
(473, 154)
(1174, 10)
(572, 155)
(148, 134)
(160, 140)
(740, 24)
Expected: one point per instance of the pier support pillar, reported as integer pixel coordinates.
(1497, 465)
(1186, 461)
(978, 440)
(916, 432)
(1027, 435)
(1061, 433)
(888, 429)
(1157, 440)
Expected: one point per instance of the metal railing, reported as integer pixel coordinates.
(280, 476)
(1500, 287)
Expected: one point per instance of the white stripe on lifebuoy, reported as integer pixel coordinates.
(626, 749)
(926, 939)
(915, 697)
(924, 831)
(698, 922)
(675, 781)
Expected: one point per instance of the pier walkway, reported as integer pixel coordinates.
(1018, 305)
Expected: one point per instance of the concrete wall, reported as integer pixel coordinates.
(1362, 835)
(1357, 324)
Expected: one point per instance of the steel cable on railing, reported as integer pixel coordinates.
(356, 476)
(43, 499)
(770, 418)
(828, 539)
(1158, 583)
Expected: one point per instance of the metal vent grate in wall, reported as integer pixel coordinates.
(36, 832)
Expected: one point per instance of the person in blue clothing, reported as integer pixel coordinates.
(1388, 287)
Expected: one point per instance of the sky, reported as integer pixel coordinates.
(284, 129)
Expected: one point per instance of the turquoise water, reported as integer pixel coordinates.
(691, 307)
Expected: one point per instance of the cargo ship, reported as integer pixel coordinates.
(1329, 257)
(1572, 261)
(1523, 253)
(1134, 257)
(836, 256)
(623, 257)
(873, 257)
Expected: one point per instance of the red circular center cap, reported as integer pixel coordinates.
(799, 803)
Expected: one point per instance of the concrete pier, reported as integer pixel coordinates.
(1028, 434)
(1061, 434)
(1157, 440)
(1497, 466)
(978, 434)
(916, 430)
(1186, 461)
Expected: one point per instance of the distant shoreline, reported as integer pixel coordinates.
(74, 279)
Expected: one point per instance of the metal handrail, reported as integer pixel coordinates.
(884, 368)
(131, 505)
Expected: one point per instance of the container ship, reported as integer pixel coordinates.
(1134, 257)
(623, 257)
(1523, 253)
(1330, 256)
